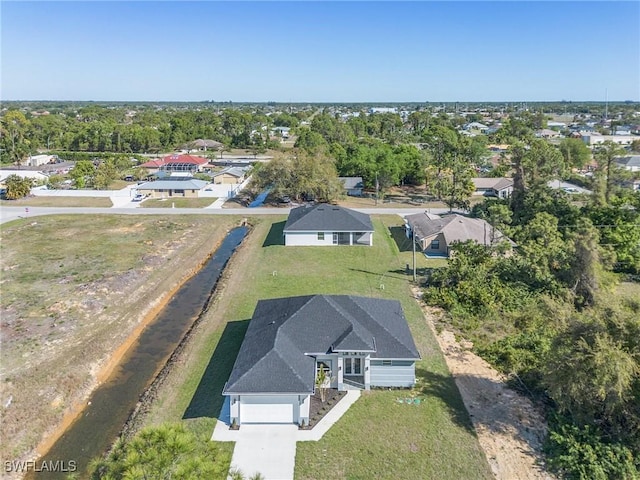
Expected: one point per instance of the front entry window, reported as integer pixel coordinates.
(353, 366)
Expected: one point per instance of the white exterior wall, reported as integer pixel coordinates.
(308, 239)
(268, 409)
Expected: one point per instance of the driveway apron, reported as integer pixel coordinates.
(267, 449)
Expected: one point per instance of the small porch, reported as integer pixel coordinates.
(353, 238)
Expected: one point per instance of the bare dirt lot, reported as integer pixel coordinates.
(76, 291)
(509, 427)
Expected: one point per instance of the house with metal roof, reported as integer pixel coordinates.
(358, 342)
(173, 187)
(436, 235)
(324, 224)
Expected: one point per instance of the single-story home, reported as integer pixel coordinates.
(204, 145)
(352, 185)
(359, 342)
(629, 162)
(500, 187)
(177, 163)
(173, 187)
(436, 235)
(324, 224)
(229, 175)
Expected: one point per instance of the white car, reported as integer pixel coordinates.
(138, 197)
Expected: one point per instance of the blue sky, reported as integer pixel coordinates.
(320, 51)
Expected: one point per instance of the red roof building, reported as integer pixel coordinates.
(177, 163)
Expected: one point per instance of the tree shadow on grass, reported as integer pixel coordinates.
(399, 236)
(207, 400)
(275, 235)
(444, 387)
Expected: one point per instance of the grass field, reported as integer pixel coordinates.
(377, 438)
(177, 202)
(58, 202)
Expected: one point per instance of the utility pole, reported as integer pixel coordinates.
(413, 241)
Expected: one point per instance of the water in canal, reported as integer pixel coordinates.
(93, 432)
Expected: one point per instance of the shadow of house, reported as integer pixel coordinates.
(399, 235)
(275, 235)
(207, 400)
(443, 387)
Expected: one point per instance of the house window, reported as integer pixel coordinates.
(435, 245)
(320, 235)
(387, 363)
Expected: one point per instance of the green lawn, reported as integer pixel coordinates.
(177, 202)
(377, 438)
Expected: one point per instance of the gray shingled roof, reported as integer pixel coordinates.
(274, 356)
(187, 184)
(629, 161)
(497, 183)
(325, 217)
(351, 182)
(455, 228)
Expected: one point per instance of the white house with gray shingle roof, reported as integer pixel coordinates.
(325, 224)
(359, 342)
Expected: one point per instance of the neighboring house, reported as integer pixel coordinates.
(325, 224)
(352, 185)
(436, 235)
(283, 132)
(629, 162)
(547, 133)
(359, 342)
(500, 187)
(597, 139)
(476, 126)
(36, 177)
(173, 187)
(176, 163)
(229, 175)
(204, 145)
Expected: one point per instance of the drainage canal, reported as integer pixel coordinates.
(111, 404)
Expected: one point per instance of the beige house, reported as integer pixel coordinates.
(434, 236)
(231, 175)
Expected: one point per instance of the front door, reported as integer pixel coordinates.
(353, 366)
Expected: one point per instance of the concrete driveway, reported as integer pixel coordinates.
(267, 449)
(271, 449)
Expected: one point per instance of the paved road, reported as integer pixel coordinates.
(13, 213)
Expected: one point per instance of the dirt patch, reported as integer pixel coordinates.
(81, 307)
(510, 429)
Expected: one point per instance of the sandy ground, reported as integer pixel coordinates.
(510, 429)
(35, 410)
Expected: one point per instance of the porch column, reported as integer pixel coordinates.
(367, 372)
(350, 238)
(340, 372)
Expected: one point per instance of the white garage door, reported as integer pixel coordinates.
(266, 410)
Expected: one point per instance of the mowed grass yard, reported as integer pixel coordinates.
(177, 202)
(378, 437)
(56, 201)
